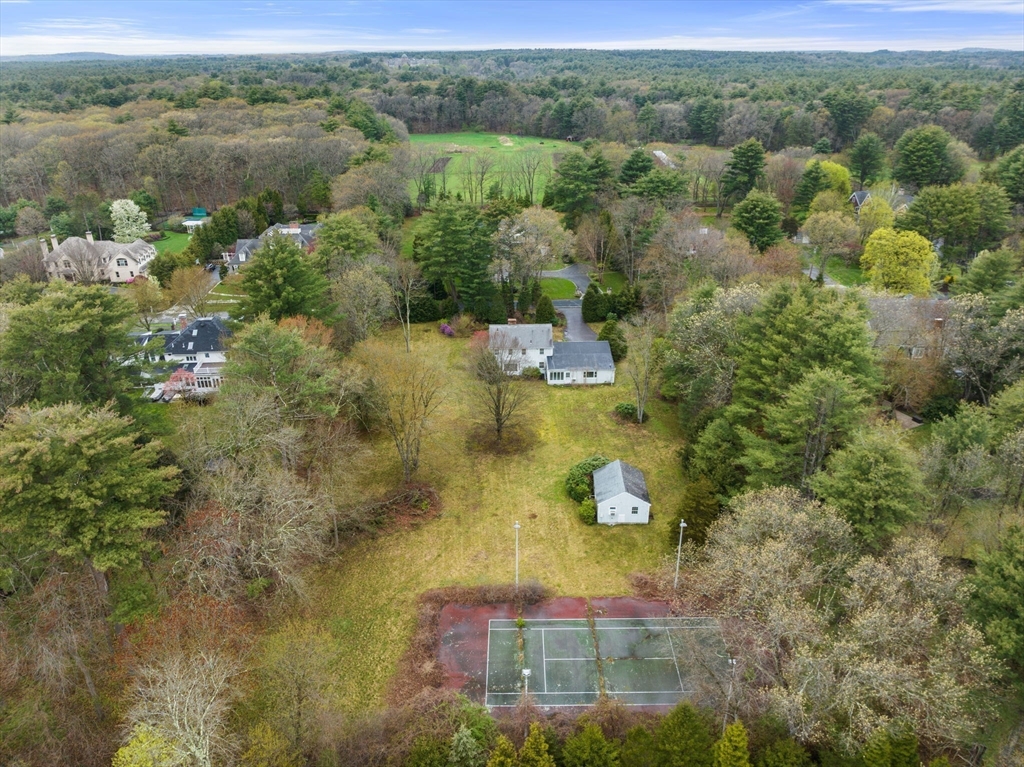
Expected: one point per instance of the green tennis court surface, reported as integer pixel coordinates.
(640, 661)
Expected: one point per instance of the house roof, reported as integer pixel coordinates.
(303, 234)
(663, 159)
(246, 248)
(581, 355)
(619, 477)
(519, 336)
(207, 334)
(860, 197)
(79, 249)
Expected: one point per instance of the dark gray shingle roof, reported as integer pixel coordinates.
(519, 336)
(619, 477)
(206, 334)
(581, 355)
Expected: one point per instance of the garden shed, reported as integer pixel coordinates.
(621, 495)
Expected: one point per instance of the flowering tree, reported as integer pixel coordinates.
(129, 221)
(181, 382)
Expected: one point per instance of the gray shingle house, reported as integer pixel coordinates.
(518, 347)
(621, 494)
(581, 362)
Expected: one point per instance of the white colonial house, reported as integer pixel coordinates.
(580, 362)
(621, 495)
(518, 347)
(87, 260)
(197, 351)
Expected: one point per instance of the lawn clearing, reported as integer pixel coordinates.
(365, 598)
(556, 288)
(614, 280)
(173, 242)
(843, 273)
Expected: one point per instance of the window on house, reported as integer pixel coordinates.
(190, 345)
(67, 264)
(590, 374)
(117, 274)
(122, 262)
(635, 510)
(206, 354)
(195, 331)
(190, 358)
(131, 274)
(556, 376)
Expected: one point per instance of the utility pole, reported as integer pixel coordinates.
(516, 526)
(679, 551)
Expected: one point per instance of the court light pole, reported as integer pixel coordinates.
(516, 526)
(526, 683)
(679, 551)
(728, 697)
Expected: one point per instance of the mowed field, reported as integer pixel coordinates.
(363, 601)
(461, 148)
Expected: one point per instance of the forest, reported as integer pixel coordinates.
(825, 386)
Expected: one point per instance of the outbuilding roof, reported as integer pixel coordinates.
(581, 355)
(519, 336)
(619, 477)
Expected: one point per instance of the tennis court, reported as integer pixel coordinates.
(639, 661)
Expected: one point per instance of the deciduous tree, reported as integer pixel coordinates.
(500, 393)
(189, 288)
(874, 214)
(644, 361)
(150, 302)
(129, 220)
(759, 217)
(902, 262)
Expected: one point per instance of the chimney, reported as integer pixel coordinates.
(938, 322)
(53, 239)
(512, 320)
(88, 236)
(42, 244)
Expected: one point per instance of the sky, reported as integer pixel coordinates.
(152, 27)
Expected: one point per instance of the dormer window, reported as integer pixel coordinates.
(190, 345)
(195, 331)
(122, 262)
(67, 264)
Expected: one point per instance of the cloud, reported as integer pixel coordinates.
(1013, 7)
(424, 31)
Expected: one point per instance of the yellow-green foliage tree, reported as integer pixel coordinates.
(838, 177)
(147, 748)
(874, 214)
(504, 754)
(732, 750)
(534, 752)
(902, 262)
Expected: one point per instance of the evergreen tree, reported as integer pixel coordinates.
(612, 333)
(638, 749)
(989, 273)
(875, 483)
(704, 119)
(732, 749)
(813, 180)
(744, 169)
(590, 748)
(455, 249)
(574, 185)
(1010, 174)
(465, 751)
(867, 158)
(595, 304)
(683, 739)
(924, 158)
(545, 311)
(784, 753)
(903, 749)
(636, 166)
(427, 751)
(877, 752)
(698, 508)
(504, 754)
(281, 282)
(996, 603)
(534, 752)
(759, 217)
(1008, 120)
(849, 109)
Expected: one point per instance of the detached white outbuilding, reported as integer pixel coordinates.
(621, 495)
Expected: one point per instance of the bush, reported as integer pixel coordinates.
(532, 374)
(627, 411)
(545, 311)
(612, 333)
(446, 330)
(588, 511)
(578, 482)
(449, 308)
(595, 304)
(424, 309)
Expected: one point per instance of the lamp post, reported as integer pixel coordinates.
(526, 683)
(516, 526)
(679, 551)
(728, 697)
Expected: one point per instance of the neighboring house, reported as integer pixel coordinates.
(580, 362)
(621, 495)
(86, 260)
(859, 198)
(241, 254)
(518, 347)
(199, 349)
(195, 220)
(301, 234)
(900, 204)
(662, 159)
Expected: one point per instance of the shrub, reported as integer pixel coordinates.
(449, 308)
(612, 333)
(588, 512)
(533, 374)
(627, 412)
(424, 309)
(545, 311)
(595, 304)
(446, 329)
(578, 482)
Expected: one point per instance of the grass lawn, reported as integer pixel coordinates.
(484, 144)
(173, 242)
(556, 288)
(843, 273)
(614, 280)
(365, 597)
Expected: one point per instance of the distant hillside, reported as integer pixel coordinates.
(59, 57)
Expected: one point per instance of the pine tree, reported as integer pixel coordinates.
(465, 751)
(504, 754)
(595, 304)
(545, 311)
(534, 752)
(877, 751)
(759, 217)
(281, 282)
(698, 508)
(814, 180)
(683, 739)
(732, 749)
(903, 748)
(989, 273)
(744, 169)
(590, 748)
(638, 749)
(636, 166)
(867, 158)
(612, 333)
(784, 753)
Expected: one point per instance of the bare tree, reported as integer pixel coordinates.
(528, 167)
(481, 172)
(421, 164)
(644, 359)
(190, 289)
(406, 281)
(500, 394)
(364, 297)
(401, 392)
(595, 239)
(149, 300)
